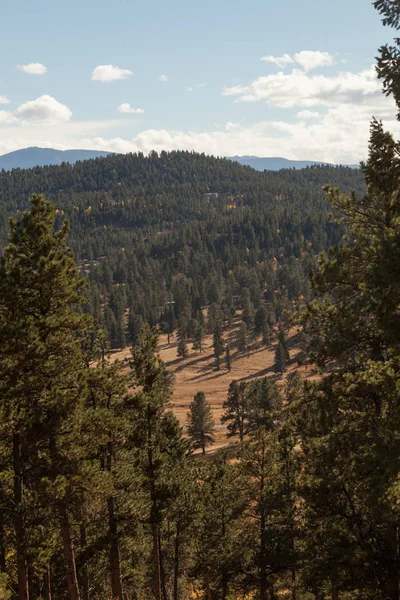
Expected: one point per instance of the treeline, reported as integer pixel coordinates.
(162, 236)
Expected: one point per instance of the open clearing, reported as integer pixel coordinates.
(197, 372)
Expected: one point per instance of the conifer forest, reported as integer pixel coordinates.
(105, 494)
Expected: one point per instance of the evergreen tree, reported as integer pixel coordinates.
(266, 334)
(242, 338)
(354, 324)
(263, 405)
(150, 404)
(221, 535)
(198, 340)
(236, 410)
(135, 324)
(280, 359)
(228, 358)
(269, 464)
(218, 345)
(42, 381)
(283, 342)
(182, 349)
(201, 422)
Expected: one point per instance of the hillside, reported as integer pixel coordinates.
(197, 372)
(28, 158)
(161, 236)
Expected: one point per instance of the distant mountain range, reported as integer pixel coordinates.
(277, 163)
(39, 157)
(28, 158)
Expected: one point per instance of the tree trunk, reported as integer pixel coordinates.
(85, 569)
(209, 597)
(176, 559)
(47, 583)
(225, 588)
(162, 572)
(69, 553)
(335, 593)
(263, 569)
(156, 559)
(293, 584)
(2, 544)
(19, 520)
(115, 565)
(392, 573)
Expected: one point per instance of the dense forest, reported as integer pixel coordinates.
(103, 495)
(161, 237)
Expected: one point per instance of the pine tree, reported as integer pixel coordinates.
(182, 349)
(266, 334)
(283, 342)
(41, 373)
(353, 323)
(218, 345)
(263, 405)
(270, 468)
(236, 410)
(280, 359)
(198, 340)
(228, 358)
(222, 531)
(201, 422)
(242, 338)
(151, 402)
(135, 324)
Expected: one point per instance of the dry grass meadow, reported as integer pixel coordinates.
(197, 373)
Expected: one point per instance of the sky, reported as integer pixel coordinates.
(291, 78)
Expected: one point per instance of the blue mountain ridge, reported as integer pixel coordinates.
(28, 158)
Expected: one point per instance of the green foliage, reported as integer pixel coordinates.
(200, 422)
(241, 339)
(228, 358)
(218, 345)
(198, 339)
(147, 238)
(236, 410)
(280, 359)
(182, 349)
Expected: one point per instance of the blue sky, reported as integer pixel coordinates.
(219, 96)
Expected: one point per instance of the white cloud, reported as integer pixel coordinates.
(163, 78)
(109, 73)
(280, 61)
(339, 136)
(303, 90)
(335, 130)
(4, 100)
(310, 59)
(7, 117)
(33, 69)
(308, 115)
(127, 108)
(44, 109)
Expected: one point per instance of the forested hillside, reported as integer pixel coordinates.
(167, 234)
